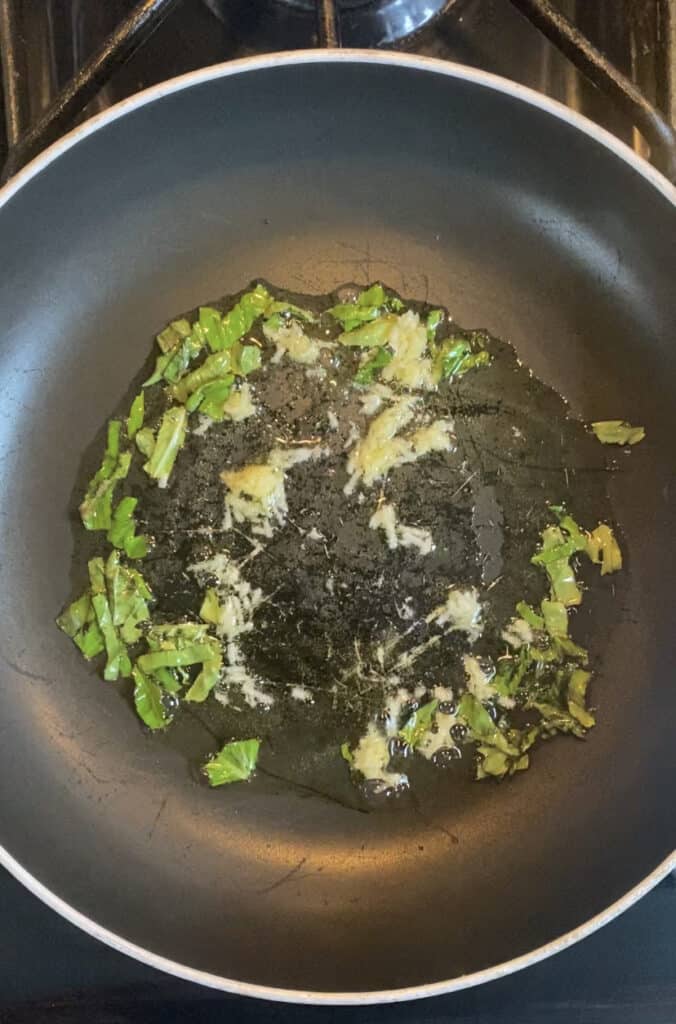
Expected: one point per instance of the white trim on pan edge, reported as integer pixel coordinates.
(429, 64)
(283, 995)
(486, 80)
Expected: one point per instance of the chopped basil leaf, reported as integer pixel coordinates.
(236, 762)
(369, 335)
(96, 508)
(78, 622)
(456, 356)
(418, 724)
(235, 324)
(602, 547)
(617, 432)
(554, 555)
(170, 439)
(149, 700)
(434, 318)
(135, 417)
(375, 362)
(122, 533)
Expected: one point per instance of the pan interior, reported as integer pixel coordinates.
(310, 176)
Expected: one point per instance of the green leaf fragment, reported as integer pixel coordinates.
(288, 310)
(529, 615)
(149, 700)
(135, 417)
(170, 337)
(178, 657)
(122, 533)
(418, 724)
(211, 609)
(211, 397)
(214, 367)
(240, 319)
(375, 362)
(369, 335)
(78, 622)
(174, 360)
(236, 762)
(250, 358)
(434, 318)
(368, 306)
(555, 617)
(346, 753)
(617, 432)
(577, 698)
(170, 439)
(206, 680)
(117, 658)
(145, 441)
(554, 554)
(456, 356)
(602, 547)
(96, 508)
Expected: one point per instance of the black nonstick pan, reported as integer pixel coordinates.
(312, 170)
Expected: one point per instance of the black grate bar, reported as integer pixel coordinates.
(15, 98)
(117, 48)
(591, 62)
(328, 24)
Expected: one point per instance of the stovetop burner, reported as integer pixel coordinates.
(363, 23)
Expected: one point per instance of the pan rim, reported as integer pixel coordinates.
(432, 65)
(482, 79)
(317, 998)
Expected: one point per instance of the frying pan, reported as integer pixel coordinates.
(310, 170)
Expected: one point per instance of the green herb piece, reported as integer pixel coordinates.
(170, 439)
(577, 698)
(240, 319)
(511, 672)
(368, 306)
(287, 310)
(555, 617)
(78, 622)
(122, 533)
(211, 609)
(145, 441)
(214, 367)
(418, 724)
(96, 508)
(170, 337)
(174, 360)
(529, 615)
(236, 762)
(554, 554)
(375, 362)
(177, 657)
(369, 335)
(434, 318)
(346, 753)
(602, 547)
(128, 595)
(617, 432)
(210, 398)
(206, 680)
(149, 700)
(135, 417)
(249, 360)
(456, 356)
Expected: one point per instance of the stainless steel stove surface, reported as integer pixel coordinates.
(627, 972)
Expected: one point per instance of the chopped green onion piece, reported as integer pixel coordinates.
(617, 432)
(170, 439)
(235, 324)
(577, 696)
(554, 554)
(236, 762)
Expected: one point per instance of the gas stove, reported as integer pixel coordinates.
(101, 53)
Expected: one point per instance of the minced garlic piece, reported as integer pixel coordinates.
(460, 612)
(371, 757)
(410, 364)
(239, 405)
(256, 492)
(385, 519)
(291, 339)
